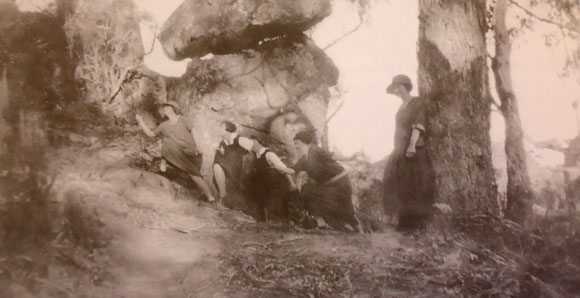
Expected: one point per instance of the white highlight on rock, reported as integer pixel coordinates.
(207, 57)
(157, 60)
(35, 5)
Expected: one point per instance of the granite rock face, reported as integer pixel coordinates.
(197, 28)
(271, 92)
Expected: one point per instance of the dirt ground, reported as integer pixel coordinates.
(158, 240)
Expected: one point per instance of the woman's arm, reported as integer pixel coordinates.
(276, 163)
(291, 182)
(144, 126)
(340, 157)
(245, 143)
(412, 149)
(419, 106)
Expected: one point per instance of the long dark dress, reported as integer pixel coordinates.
(326, 196)
(409, 182)
(178, 146)
(267, 189)
(231, 161)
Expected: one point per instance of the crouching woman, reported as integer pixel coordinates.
(329, 193)
(178, 147)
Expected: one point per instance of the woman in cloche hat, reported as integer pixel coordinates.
(179, 147)
(409, 177)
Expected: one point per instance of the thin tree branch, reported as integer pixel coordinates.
(123, 78)
(543, 19)
(351, 31)
(495, 103)
(152, 41)
(334, 113)
(571, 16)
(572, 59)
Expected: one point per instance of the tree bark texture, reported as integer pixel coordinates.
(519, 190)
(453, 78)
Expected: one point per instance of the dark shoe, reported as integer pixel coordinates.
(309, 223)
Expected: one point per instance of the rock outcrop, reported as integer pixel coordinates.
(264, 73)
(197, 28)
(273, 92)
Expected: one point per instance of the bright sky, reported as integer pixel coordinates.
(367, 61)
(386, 46)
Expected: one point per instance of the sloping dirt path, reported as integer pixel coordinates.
(166, 243)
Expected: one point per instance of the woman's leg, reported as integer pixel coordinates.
(204, 187)
(220, 179)
(354, 222)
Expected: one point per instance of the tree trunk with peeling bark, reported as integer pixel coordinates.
(453, 78)
(519, 190)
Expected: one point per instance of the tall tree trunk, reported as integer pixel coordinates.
(453, 77)
(519, 190)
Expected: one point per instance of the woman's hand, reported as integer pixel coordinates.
(143, 126)
(411, 151)
(291, 182)
(340, 157)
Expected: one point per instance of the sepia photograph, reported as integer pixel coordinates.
(289, 148)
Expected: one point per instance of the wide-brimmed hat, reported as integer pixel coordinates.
(172, 104)
(400, 79)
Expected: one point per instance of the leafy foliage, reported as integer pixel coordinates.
(204, 76)
(107, 46)
(564, 18)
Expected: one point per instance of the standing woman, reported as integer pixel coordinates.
(179, 147)
(410, 178)
(329, 195)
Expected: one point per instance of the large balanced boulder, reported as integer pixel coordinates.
(272, 92)
(197, 28)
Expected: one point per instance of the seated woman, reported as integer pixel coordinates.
(178, 147)
(329, 195)
(228, 163)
